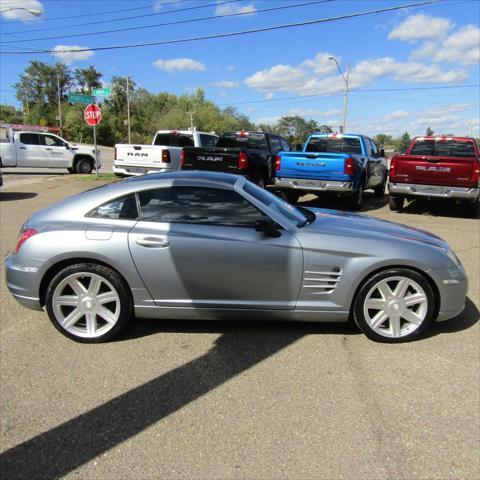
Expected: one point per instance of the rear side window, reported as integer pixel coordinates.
(173, 139)
(30, 138)
(51, 141)
(275, 144)
(124, 208)
(248, 140)
(443, 148)
(204, 206)
(208, 140)
(285, 145)
(334, 145)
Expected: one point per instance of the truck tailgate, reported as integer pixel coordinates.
(435, 170)
(322, 166)
(145, 156)
(214, 159)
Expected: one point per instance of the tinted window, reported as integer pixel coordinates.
(275, 144)
(443, 148)
(285, 145)
(205, 206)
(254, 141)
(30, 138)
(124, 208)
(334, 145)
(375, 151)
(174, 139)
(52, 141)
(208, 140)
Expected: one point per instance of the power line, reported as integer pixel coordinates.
(177, 22)
(232, 34)
(197, 7)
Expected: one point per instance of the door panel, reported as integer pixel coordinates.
(216, 266)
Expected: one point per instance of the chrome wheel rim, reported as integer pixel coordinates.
(86, 305)
(395, 307)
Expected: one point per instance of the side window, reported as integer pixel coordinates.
(374, 148)
(275, 144)
(30, 138)
(51, 141)
(208, 140)
(124, 208)
(285, 145)
(368, 147)
(197, 205)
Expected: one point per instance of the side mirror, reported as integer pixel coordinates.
(403, 150)
(268, 227)
(382, 152)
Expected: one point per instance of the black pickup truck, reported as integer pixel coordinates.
(251, 154)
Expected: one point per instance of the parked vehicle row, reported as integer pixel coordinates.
(46, 150)
(207, 245)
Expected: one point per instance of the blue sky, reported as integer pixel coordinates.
(429, 46)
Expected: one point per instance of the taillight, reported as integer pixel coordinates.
(165, 156)
(349, 166)
(182, 157)
(26, 234)
(242, 161)
(476, 173)
(393, 166)
(277, 162)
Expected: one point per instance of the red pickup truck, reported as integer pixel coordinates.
(436, 167)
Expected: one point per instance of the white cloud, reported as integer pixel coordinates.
(230, 68)
(158, 5)
(226, 84)
(321, 64)
(269, 96)
(304, 112)
(396, 115)
(229, 9)
(64, 55)
(10, 10)
(331, 113)
(421, 27)
(280, 78)
(179, 65)
(461, 47)
(268, 120)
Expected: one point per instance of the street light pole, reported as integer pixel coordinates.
(128, 109)
(345, 101)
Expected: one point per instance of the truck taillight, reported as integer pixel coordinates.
(349, 166)
(165, 156)
(182, 158)
(25, 235)
(393, 166)
(242, 161)
(278, 162)
(476, 173)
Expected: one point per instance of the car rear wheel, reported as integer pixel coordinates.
(356, 200)
(379, 190)
(395, 202)
(84, 166)
(88, 303)
(259, 179)
(394, 306)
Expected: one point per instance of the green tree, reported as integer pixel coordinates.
(296, 129)
(429, 132)
(383, 139)
(87, 78)
(404, 142)
(10, 114)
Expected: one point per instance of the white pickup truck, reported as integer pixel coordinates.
(163, 155)
(46, 150)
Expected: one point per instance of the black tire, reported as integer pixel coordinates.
(259, 179)
(84, 166)
(71, 170)
(473, 209)
(379, 190)
(111, 276)
(356, 199)
(395, 202)
(369, 283)
(290, 196)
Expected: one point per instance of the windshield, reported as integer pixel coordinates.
(289, 211)
(334, 145)
(174, 139)
(254, 141)
(445, 148)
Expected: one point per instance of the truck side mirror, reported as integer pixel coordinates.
(268, 227)
(382, 152)
(403, 150)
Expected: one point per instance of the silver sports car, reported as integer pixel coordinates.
(198, 245)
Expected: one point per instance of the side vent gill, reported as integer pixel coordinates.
(319, 282)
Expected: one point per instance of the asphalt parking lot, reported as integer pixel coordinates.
(228, 400)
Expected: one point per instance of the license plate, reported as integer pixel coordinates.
(136, 170)
(308, 183)
(432, 190)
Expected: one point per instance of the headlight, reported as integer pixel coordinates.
(453, 257)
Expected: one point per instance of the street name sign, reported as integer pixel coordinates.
(101, 92)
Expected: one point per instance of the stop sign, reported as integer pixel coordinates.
(92, 114)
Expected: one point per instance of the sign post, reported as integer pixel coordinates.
(93, 115)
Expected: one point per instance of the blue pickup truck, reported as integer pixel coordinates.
(346, 164)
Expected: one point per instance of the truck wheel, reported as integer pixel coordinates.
(259, 179)
(290, 196)
(84, 166)
(395, 202)
(356, 200)
(379, 190)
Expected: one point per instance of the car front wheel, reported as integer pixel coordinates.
(84, 166)
(88, 303)
(394, 306)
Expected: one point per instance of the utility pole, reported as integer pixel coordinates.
(346, 80)
(128, 110)
(59, 106)
(27, 111)
(191, 120)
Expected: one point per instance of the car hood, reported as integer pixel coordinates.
(364, 226)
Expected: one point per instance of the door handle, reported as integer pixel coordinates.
(48, 149)
(22, 148)
(152, 242)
